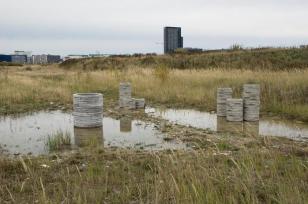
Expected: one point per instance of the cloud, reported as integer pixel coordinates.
(136, 25)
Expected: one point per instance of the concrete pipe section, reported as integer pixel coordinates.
(88, 110)
(222, 95)
(234, 110)
(251, 97)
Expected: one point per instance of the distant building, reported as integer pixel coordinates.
(18, 52)
(98, 55)
(5, 58)
(45, 59)
(23, 53)
(53, 59)
(20, 59)
(75, 57)
(172, 39)
(39, 59)
(189, 50)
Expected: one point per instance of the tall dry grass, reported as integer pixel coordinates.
(283, 92)
(250, 176)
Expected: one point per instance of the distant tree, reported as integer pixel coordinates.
(236, 47)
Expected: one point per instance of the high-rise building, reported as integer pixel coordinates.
(172, 39)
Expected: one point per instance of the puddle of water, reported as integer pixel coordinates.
(29, 133)
(204, 120)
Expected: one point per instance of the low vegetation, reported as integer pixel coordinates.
(218, 168)
(10, 64)
(58, 141)
(274, 59)
(283, 92)
(250, 176)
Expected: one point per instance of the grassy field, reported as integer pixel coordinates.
(22, 89)
(274, 59)
(221, 168)
(256, 175)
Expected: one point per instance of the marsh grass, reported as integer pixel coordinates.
(249, 176)
(282, 92)
(58, 141)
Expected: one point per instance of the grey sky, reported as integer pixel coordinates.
(129, 26)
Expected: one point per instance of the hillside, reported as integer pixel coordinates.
(255, 59)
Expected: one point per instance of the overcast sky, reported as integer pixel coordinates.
(134, 26)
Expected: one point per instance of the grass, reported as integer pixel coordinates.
(274, 59)
(58, 141)
(284, 93)
(10, 64)
(202, 176)
(229, 168)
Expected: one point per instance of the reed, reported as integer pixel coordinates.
(201, 176)
(282, 92)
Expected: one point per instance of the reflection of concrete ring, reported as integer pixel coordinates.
(88, 108)
(125, 124)
(88, 136)
(251, 128)
(224, 126)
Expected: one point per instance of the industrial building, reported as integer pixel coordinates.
(20, 59)
(45, 59)
(53, 59)
(172, 39)
(5, 58)
(75, 57)
(18, 52)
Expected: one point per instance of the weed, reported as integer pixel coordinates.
(162, 73)
(58, 141)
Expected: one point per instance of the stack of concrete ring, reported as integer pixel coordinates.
(125, 98)
(234, 110)
(238, 110)
(251, 96)
(222, 95)
(88, 110)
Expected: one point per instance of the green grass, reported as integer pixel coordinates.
(58, 141)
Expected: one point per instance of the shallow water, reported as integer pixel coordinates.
(28, 134)
(205, 120)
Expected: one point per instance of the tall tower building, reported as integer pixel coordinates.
(172, 39)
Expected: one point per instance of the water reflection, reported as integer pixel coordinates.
(251, 128)
(125, 124)
(29, 133)
(136, 134)
(245, 128)
(204, 120)
(224, 126)
(88, 136)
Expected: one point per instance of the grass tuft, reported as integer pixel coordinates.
(58, 141)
